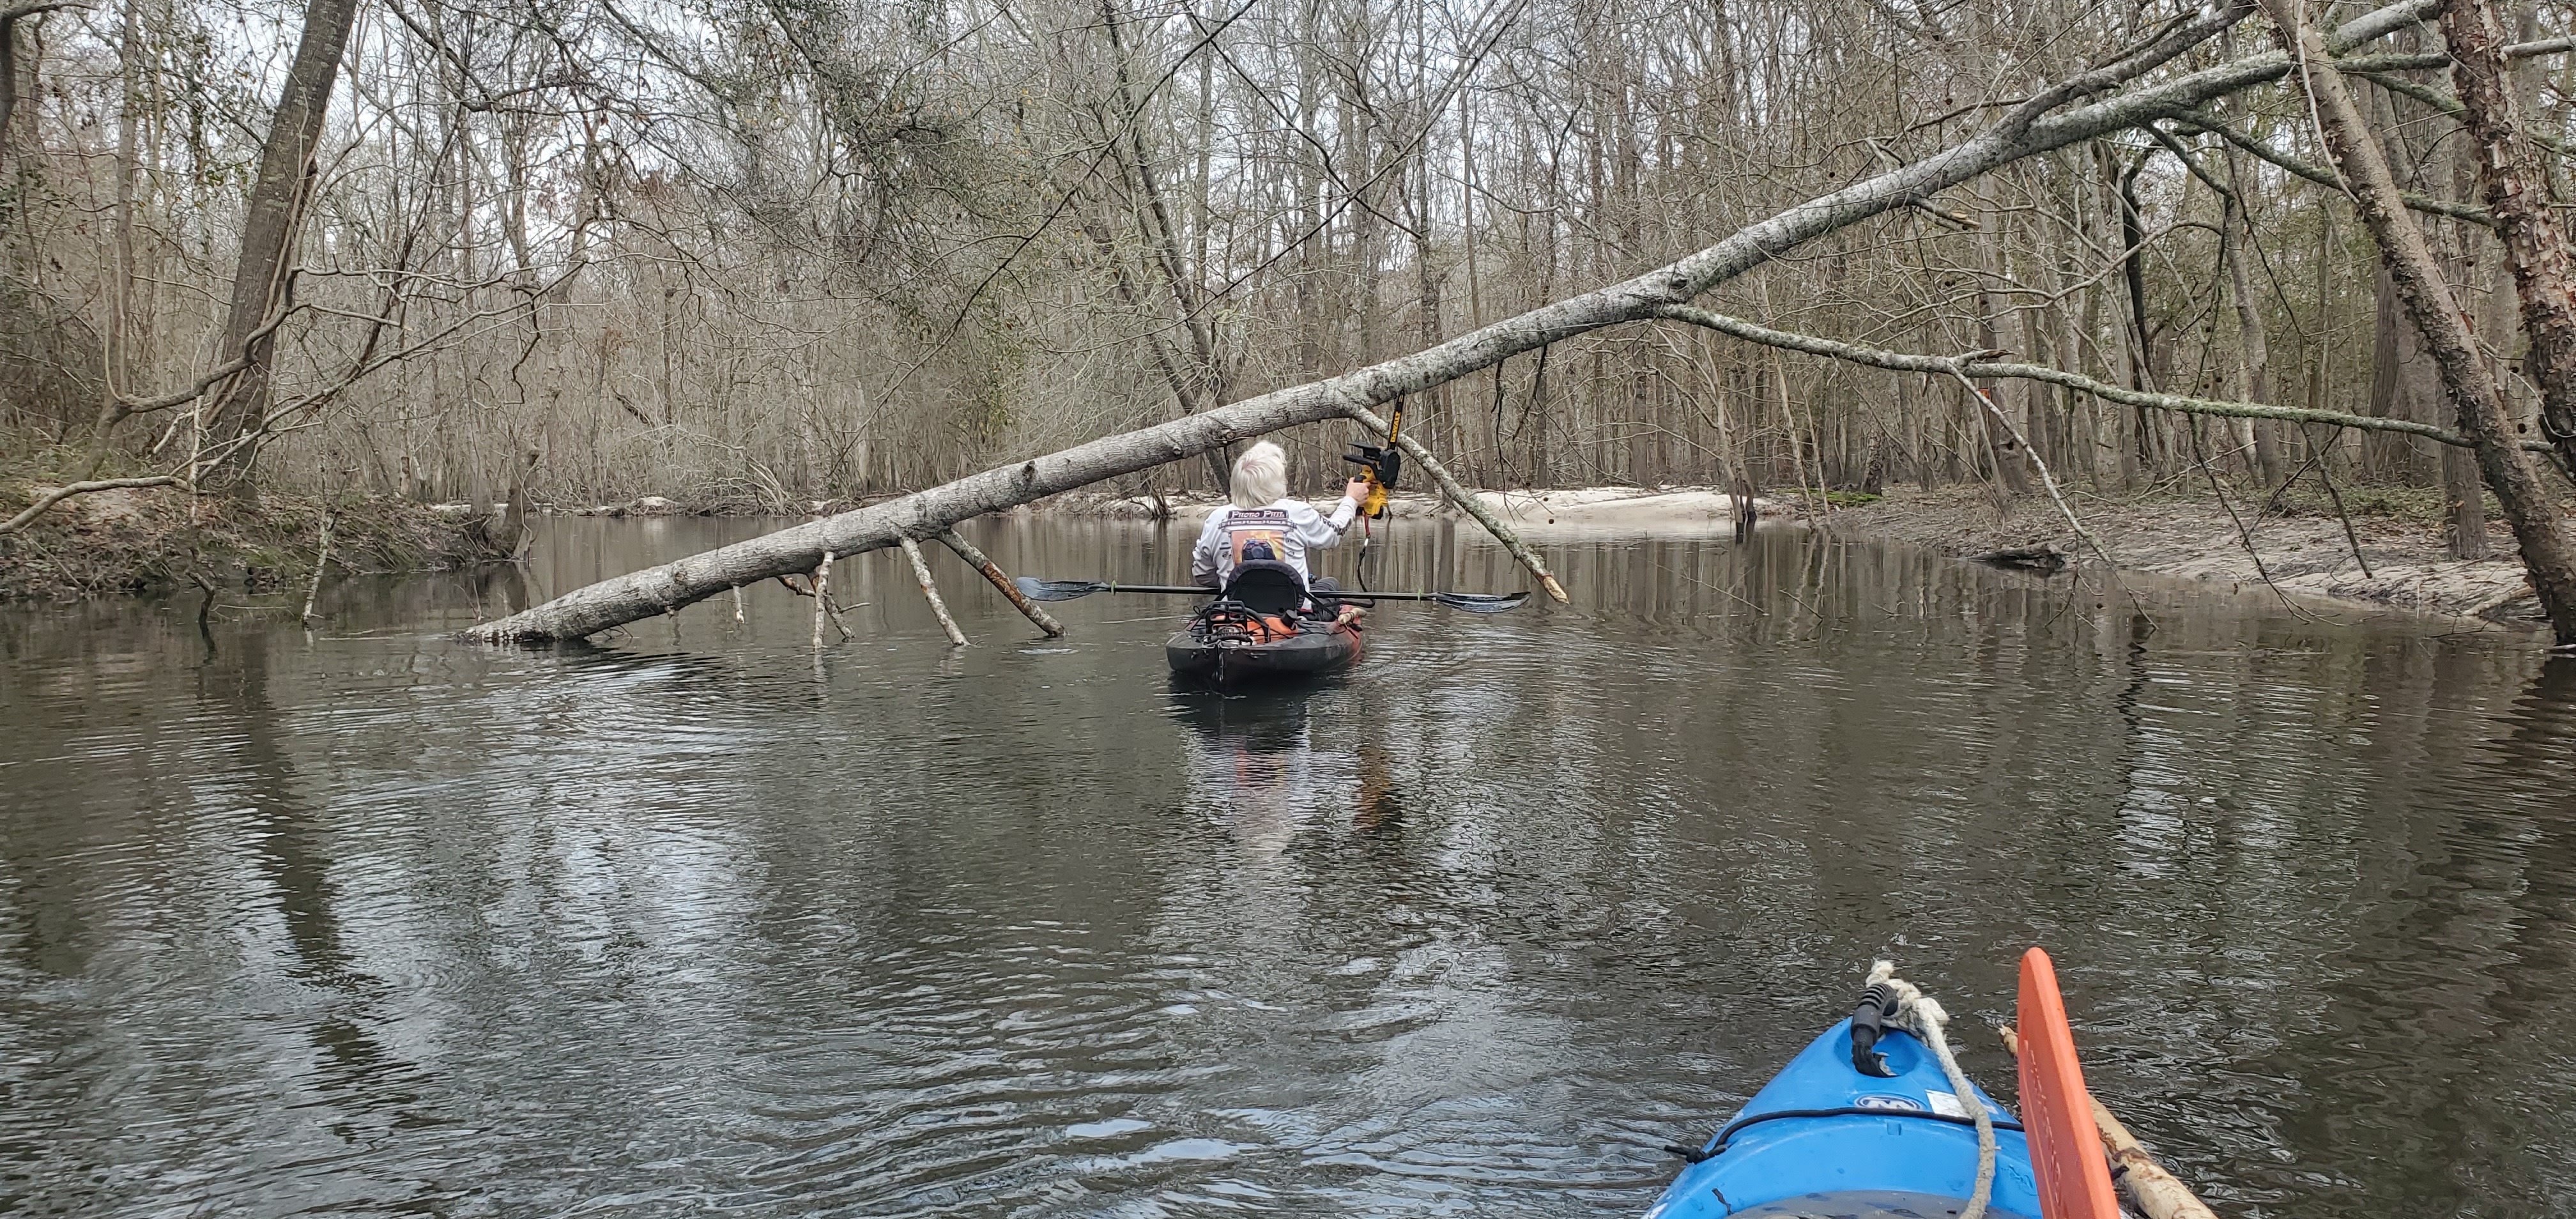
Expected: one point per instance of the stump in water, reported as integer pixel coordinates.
(822, 596)
(314, 591)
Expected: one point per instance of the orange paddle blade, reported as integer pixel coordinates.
(2056, 1111)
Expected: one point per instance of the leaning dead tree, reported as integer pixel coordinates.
(2052, 118)
(2469, 381)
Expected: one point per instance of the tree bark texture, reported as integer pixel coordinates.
(2516, 185)
(2464, 531)
(2466, 376)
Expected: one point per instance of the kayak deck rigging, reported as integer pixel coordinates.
(1875, 1120)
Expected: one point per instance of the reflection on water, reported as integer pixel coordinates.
(1255, 767)
(365, 921)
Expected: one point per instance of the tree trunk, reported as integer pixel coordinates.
(2546, 550)
(2398, 381)
(10, 16)
(2254, 349)
(2389, 359)
(275, 218)
(2515, 183)
(1998, 328)
(1204, 383)
(2139, 450)
(1427, 293)
(2464, 502)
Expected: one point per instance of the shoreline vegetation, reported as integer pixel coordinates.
(144, 541)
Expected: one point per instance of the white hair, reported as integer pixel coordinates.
(1260, 476)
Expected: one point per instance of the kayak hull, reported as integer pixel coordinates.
(1231, 662)
(1822, 1138)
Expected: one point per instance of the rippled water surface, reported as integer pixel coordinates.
(365, 921)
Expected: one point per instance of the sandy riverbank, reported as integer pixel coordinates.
(2305, 552)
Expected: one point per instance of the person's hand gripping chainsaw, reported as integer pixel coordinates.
(1379, 468)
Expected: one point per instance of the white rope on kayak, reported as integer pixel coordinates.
(1923, 1016)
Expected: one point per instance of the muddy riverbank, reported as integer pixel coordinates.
(140, 541)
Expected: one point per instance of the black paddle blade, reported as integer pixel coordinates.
(1481, 603)
(1057, 590)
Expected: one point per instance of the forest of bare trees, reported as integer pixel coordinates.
(796, 250)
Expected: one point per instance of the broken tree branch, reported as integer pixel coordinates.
(2448, 104)
(1948, 365)
(1002, 580)
(2351, 536)
(2323, 176)
(1466, 500)
(930, 590)
(822, 595)
(2158, 1193)
(313, 592)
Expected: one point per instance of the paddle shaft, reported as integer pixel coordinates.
(1347, 594)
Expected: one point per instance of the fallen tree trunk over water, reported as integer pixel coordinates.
(2047, 121)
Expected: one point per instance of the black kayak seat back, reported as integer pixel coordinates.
(1266, 586)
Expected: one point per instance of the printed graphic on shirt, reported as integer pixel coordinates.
(1260, 531)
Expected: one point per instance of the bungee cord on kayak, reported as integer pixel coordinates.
(1873, 1120)
(1901, 1004)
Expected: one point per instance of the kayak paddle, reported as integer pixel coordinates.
(1067, 590)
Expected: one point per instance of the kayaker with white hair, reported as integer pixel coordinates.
(1263, 522)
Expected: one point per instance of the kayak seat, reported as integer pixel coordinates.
(1266, 586)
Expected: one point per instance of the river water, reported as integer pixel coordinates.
(364, 921)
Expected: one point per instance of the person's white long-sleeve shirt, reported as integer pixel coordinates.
(1290, 528)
